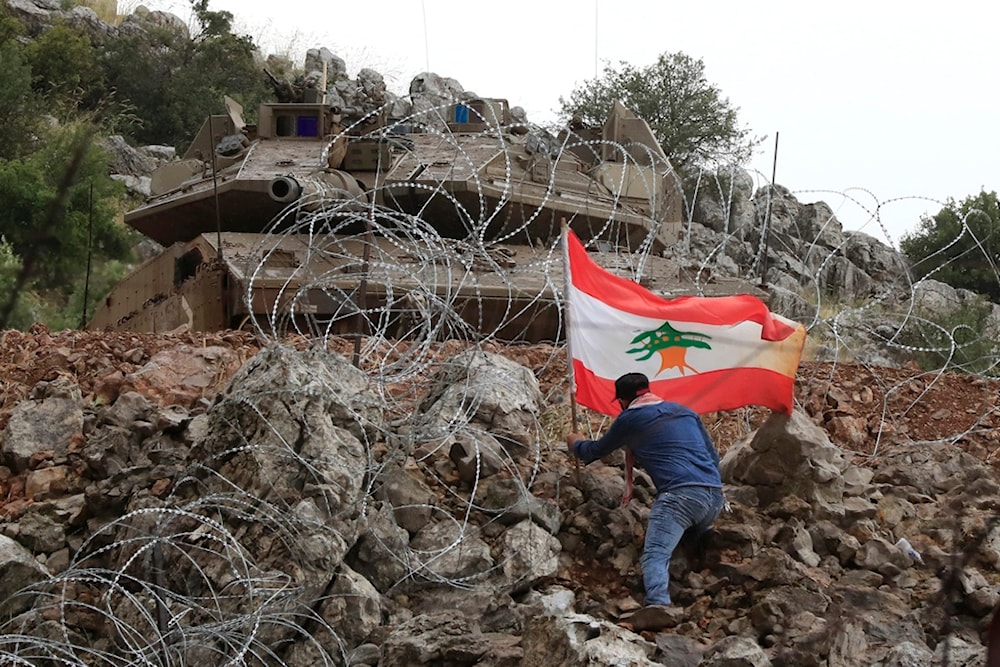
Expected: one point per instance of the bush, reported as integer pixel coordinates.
(959, 245)
(18, 309)
(959, 340)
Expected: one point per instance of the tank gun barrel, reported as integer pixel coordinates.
(284, 189)
(316, 191)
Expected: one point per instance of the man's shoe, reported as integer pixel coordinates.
(655, 617)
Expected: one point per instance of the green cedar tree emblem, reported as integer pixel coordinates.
(670, 344)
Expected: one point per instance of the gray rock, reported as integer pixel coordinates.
(908, 654)
(476, 456)
(130, 407)
(447, 550)
(137, 185)
(336, 67)
(40, 532)
(881, 556)
(578, 639)
(527, 553)
(431, 97)
(382, 553)
(142, 20)
(19, 571)
(366, 654)
(678, 651)
(789, 455)
(353, 607)
(490, 391)
(511, 502)
(125, 160)
(493, 609)
(47, 421)
(442, 638)
(796, 541)
(957, 652)
(411, 500)
(159, 154)
(735, 652)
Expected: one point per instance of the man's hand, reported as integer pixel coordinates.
(571, 439)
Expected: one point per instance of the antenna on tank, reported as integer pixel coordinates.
(596, 32)
(427, 50)
(215, 188)
(90, 255)
(323, 85)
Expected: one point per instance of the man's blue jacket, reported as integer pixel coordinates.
(668, 441)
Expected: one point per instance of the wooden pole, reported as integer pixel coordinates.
(574, 426)
(569, 348)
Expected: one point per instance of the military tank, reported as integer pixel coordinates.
(339, 220)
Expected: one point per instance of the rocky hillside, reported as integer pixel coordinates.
(209, 499)
(204, 498)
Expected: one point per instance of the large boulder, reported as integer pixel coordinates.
(789, 456)
(293, 429)
(46, 424)
(489, 391)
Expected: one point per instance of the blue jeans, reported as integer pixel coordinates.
(673, 513)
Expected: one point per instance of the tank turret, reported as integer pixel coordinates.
(297, 214)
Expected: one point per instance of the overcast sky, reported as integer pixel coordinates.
(875, 101)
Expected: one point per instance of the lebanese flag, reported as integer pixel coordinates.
(708, 353)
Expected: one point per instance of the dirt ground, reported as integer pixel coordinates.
(865, 409)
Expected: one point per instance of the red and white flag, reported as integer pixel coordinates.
(708, 353)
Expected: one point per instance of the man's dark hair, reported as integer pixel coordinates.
(628, 386)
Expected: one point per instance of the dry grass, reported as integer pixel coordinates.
(107, 10)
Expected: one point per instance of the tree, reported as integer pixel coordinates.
(174, 82)
(59, 203)
(691, 119)
(960, 245)
(19, 106)
(65, 70)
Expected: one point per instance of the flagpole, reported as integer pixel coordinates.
(569, 349)
(574, 427)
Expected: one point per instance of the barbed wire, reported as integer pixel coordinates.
(431, 290)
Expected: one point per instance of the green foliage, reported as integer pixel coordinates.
(154, 86)
(960, 245)
(103, 277)
(25, 306)
(54, 308)
(19, 106)
(139, 68)
(49, 228)
(65, 70)
(957, 340)
(11, 29)
(691, 119)
(174, 83)
(60, 208)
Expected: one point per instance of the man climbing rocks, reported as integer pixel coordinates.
(671, 444)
